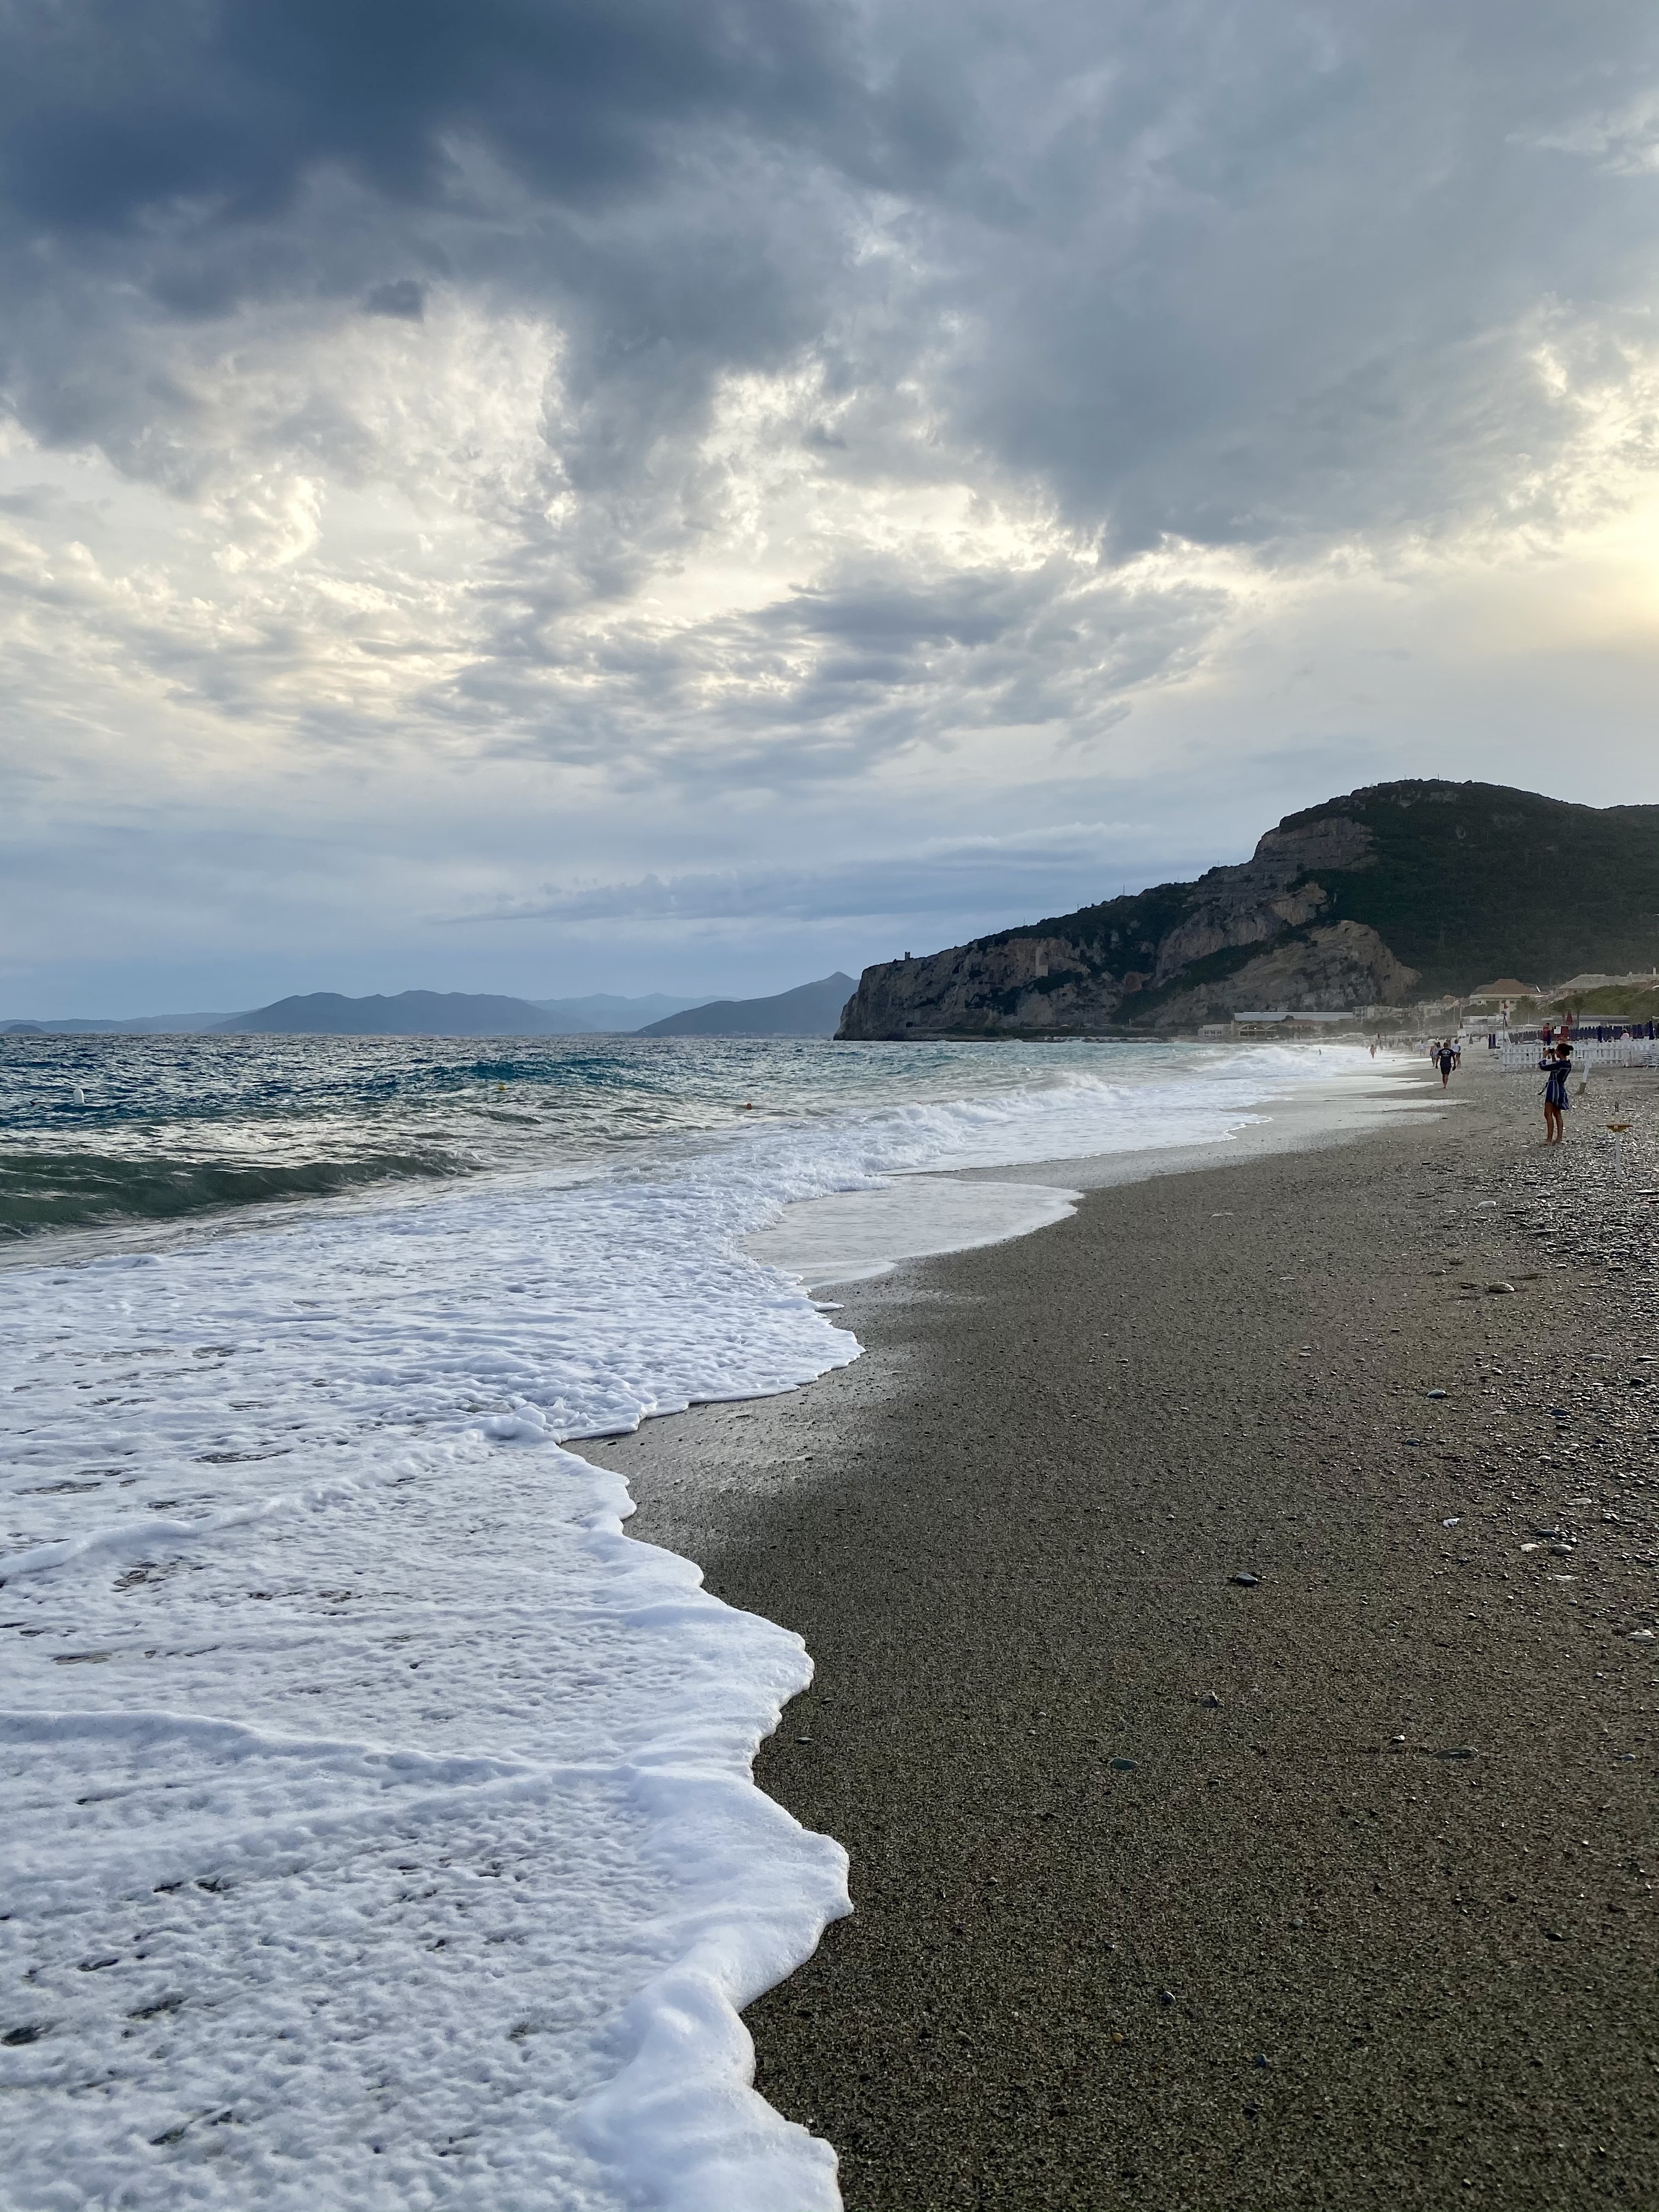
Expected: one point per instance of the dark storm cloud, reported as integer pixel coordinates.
(1240, 272)
(183, 158)
(120, 107)
(1287, 269)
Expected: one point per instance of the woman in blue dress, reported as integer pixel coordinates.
(1557, 1066)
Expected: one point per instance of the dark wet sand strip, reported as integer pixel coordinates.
(1153, 1907)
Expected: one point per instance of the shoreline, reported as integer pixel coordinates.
(1303, 1118)
(1008, 1533)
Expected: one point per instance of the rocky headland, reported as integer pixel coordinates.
(1365, 903)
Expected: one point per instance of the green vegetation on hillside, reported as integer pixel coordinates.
(1471, 880)
(1613, 1002)
(1464, 881)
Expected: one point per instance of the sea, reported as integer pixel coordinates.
(379, 1825)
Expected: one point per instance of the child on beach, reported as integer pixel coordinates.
(1559, 1069)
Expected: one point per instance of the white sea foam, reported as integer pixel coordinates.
(379, 1821)
(855, 1234)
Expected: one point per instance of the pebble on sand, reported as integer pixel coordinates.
(1248, 1582)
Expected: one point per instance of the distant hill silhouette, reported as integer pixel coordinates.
(132, 1025)
(810, 1010)
(408, 1013)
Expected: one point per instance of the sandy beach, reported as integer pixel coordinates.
(1245, 1752)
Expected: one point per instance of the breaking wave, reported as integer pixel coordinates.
(72, 1190)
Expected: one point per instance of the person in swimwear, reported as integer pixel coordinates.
(1557, 1066)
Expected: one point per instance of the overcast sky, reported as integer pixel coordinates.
(552, 495)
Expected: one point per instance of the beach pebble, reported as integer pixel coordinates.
(1248, 1582)
(1499, 1289)
(1434, 1394)
(1211, 1699)
(1166, 1997)
(1641, 1636)
(1123, 1766)
(1455, 1522)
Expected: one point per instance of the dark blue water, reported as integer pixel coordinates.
(134, 1128)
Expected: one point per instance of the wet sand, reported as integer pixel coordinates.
(1172, 1891)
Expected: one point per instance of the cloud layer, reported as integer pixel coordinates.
(751, 442)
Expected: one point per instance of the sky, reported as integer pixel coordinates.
(563, 496)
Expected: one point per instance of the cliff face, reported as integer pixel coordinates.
(1402, 889)
(1166, 960)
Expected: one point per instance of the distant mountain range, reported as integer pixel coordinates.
(810, 1010)
(136, 1025)
(408, 1013)
(807, 1012)
(1402, 892)
(449, 1013)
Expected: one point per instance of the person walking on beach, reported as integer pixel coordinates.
(1445, 1060)
(1557, 1066)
